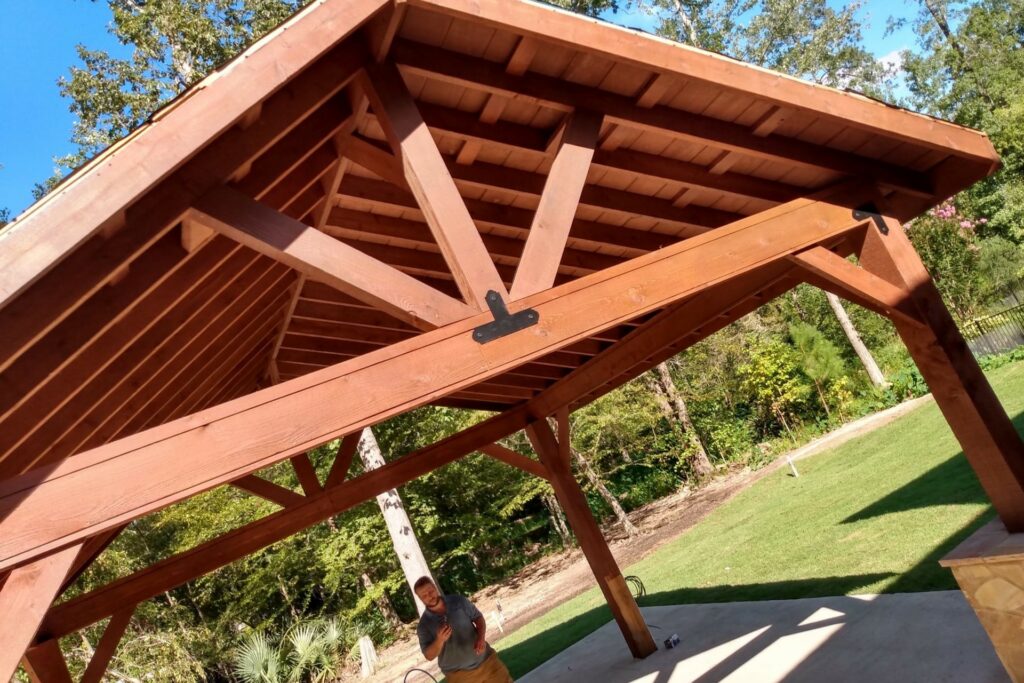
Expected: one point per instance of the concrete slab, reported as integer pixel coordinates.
(903, 637)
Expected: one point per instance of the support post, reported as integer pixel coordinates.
(24, 598)
(971, 407)
(45, 663)
(555, 456)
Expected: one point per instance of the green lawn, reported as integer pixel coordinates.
(871, 516)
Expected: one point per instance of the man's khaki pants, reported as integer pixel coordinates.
(491, 671)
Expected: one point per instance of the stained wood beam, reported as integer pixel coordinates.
(91, 550)
(554, 453)
(306, 475)
(343, 459)
(107, 646)
(320, 257)
(70, 616)
(31, 250)
(268, 490)
(24, 599)
(348, 222)
(432, 185)
(638, 241)
(479, 74)
(978, 419)
(558, 202)
(517, 460)
(185, 457)
(654, 339)
(525, 139)
(847, 279)
(573, 32)
(45, 663)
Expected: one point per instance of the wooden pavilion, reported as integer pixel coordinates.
(384, 204)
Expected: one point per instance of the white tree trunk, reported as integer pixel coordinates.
(407, 547)
(558, 519)
(866, 359)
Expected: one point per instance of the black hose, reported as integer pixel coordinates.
(404, 680)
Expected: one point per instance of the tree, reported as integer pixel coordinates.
(861, 349)
(403, 536)
(675, 407)
(820, 358)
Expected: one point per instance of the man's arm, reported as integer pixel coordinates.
(433, 651)
(481, 634)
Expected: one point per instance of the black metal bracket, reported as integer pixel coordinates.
(869, 210)
(505, 323)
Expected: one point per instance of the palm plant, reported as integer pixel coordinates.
(316, 653)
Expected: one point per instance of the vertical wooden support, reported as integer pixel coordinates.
(45, 663)
(972, 409)
(24, 600)
(555, 456)
(432, 185)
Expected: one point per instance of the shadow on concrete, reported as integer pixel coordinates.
(525, 656)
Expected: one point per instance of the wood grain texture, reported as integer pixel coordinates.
(24, 599)
(327, 260)
(193, 454)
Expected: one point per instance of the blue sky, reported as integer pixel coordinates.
(37, 46)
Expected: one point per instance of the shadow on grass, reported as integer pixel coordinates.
(527, 655)
(950, 483)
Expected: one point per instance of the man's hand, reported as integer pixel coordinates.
(444, 633)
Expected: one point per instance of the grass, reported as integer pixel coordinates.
(873, 515)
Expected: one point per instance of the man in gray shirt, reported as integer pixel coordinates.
(453, 631)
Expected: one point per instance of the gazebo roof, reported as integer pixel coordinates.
(122, 309)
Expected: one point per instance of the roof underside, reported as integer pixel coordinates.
(172, 327)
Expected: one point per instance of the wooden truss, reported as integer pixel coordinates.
(328, 242)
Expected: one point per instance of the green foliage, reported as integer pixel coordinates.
(771, 377)
(310, 652)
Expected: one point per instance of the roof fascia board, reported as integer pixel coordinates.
(33, 244)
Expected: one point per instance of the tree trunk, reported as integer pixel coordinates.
(596, 482)
(387, 610)
(557, 519)
(699, 461)
(407, 547)
(866, 359)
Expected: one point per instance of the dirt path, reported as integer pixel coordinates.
(556, 578)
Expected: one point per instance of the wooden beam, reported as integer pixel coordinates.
(555, 456)
(524, 139)
(185, 457)
(432, 185)
(636, 241)
(488, 77)
(343, 459)
(91, 550)
(30, 248)
(553, 219)
(517, 460)
(24, 599)
(45, 663)
(320, 257)
(166, 574)
(104, 652)
(978, 419)
(575, 33)
(306, 475)
(846, 278)
(268, 490)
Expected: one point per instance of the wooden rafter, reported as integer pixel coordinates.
(432, 185)
(107, 646)
(561, 195)
(455, 363)
(517, 460)
(482, 75)
(327, 260)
